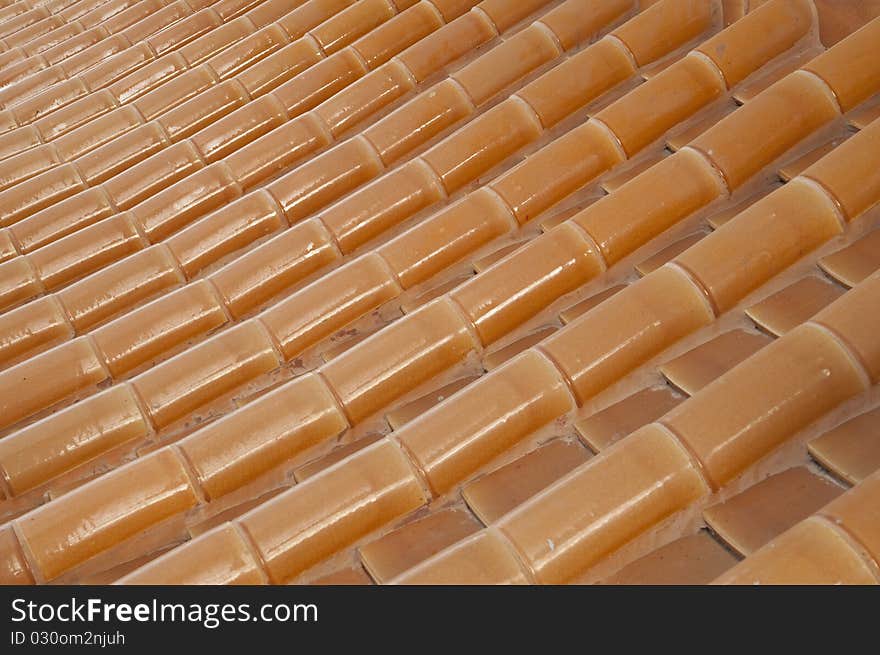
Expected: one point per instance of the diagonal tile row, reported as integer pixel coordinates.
(155, 104)
(744, 523)
(322, 323)
(37, 35)
(856, 382)
(546, 393)
(252, 157)
(315, 240)
(695, 449)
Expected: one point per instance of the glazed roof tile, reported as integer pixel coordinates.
(262, 262)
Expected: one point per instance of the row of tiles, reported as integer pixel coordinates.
(590, 134)
(310, 230)
(81, 120)
(30, 30)
(307, 34)
(531, 382)
(215, 391)
(744, 523)
(175, 23)
(483, 552)
(299, 32)
(370, 275)
(755, 522)
(433, 111)
(712, 428)
(698, 367)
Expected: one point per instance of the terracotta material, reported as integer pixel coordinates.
(207, 176)
(500, 132)
(853, 197)
(316, 183)
(492, 258)
(688, 183)
(812, 552)
(667, 254)
(651, 109)
(850, 70)
(718, 219)
(453, 444)
(770, 30)
(557, 170)
(598, 431)
(223, 363)
(783, 387)
(294, 531)
(39, 192)
(802, 163)
(76, 255)
(669, 23)
(704, 364)
(694, 560)
(14, 568)
(240, 447)
(140, 495)
(227, 553)
(43, 450)
(49, 378)
(136, 278)
(409, 306)
(794, 220)
(856, 325)
(349, 576)
(431, 340)
(798, 302)
(626, 330)
(110, 159)
(416, 541)
(365, 97)
(441, 48)
(223, 137)
(205, 242)
(138, 337)
(97, 132)
(382, 204)
(487, 76)
(493, 495)
(266, 270)
(252, 164)
(484, 558)
(694, 128)
(851, 451)
(499, 356)
(603, 504)
(584, 75)
(322, 308)
(38, 324)
(789, 111)
(397, 418)
(756, 516)
(579, 309)
(613, 182)
(335, 456)
(516, 288)
(857, 512)
(568, 25)
(851, 265)
(864, 115)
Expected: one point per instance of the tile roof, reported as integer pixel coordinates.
(439, 291)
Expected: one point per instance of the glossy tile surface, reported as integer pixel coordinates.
(449, 291)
